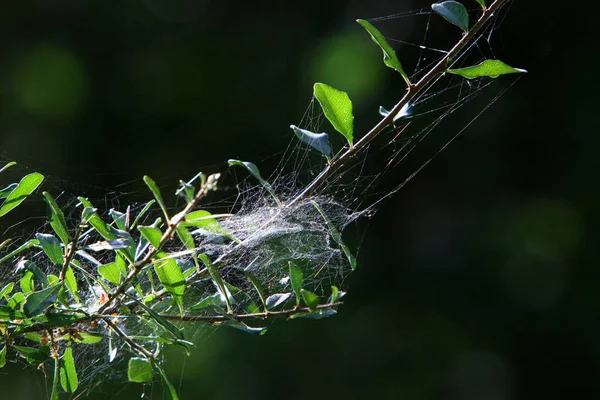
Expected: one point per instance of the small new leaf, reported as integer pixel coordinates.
(389, 55)
(311, 299)
(453, 12)
(337, 108)
(487, 68)
(318, 141)
(253, 169)
(482, 2)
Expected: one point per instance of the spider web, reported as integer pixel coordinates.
(273, 236)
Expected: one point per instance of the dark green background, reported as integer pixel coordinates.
(478, 280)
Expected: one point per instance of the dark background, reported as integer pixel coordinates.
(478, 280)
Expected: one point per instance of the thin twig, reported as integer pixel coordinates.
(173, 223)
(412, 91)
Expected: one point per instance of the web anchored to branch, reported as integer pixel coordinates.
(125, 284)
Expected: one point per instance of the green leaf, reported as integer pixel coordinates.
(317, 314)
(114, 271)
(389, 55)
(7, 166)
(39, 301)
(156, 192)
(318, 141)
(186, 237)
(337, 108)
(335, 294)
(25, 187)
(26, 282)
(71, 284)
(170, 275)
(68, 373)
(57, 219)
(3, 357)
(151, 234)
(232, 323)
(54, 395)
(311, 299)
(139, 370)
(21, 248)
(51, 247)
(6, 290)
(487, 68)
(169, 390)
(482, 2)
(216, 278)
(90, 216)
(208, 222)
(142, 213)
(259, 289)
(296, 279)
(34, 356)
(8, 313)
(5, 192)
(253, 169)
(119, 218)
(453, 12)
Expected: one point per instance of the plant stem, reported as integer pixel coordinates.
(412, 91)
(267, 315)
(173, 223)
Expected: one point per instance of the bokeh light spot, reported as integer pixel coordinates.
(51, 83)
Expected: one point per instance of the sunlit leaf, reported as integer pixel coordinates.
(208, 222)
(113, 272)
(156, 192)
(335, 294)
(139, 370)
(487, 68)
(319, 141)
(311, 299)
(57, 219)
(71, 284)
(68, 373)
(51, 247)
(170, 275)
(296, 280)
(25, 187)
(39, 301)
(453, 12)
(337, 108)
(151, 234)
(389, 55)
(3, 356)
(482, 2)
(6, 290)
(186, 237)
(253, 169)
